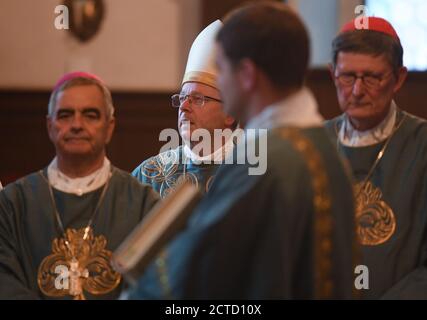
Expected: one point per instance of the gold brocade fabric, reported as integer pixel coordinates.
(323, 222)
(376, 222)
(164, 170)
(77, 265)
(323, 219)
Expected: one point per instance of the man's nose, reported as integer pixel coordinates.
(185, 105)
(358, 87)
(77, 122)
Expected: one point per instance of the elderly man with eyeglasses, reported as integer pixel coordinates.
(387, 150)
(200, 117)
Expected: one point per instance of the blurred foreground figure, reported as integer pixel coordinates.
(285, 232)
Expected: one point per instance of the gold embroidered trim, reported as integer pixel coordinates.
(86, 268)
(322, 206)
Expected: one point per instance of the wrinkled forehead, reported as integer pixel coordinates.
(362, 62)
(80, 97)
(199, 88)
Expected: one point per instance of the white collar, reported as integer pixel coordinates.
(218, 156)
(78, 186)
(351, 137)
(298, 110)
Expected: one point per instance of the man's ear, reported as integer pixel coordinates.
(49, 126)
(331, 71)
(110, 129)
(247, 74)
(401, 77)
(229, 121)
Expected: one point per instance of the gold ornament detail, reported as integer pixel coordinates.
(77, 265)
(322, 203)
(162, 167)
(163, 170)
(376, 222)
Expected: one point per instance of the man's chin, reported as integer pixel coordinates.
(185, 134)
(77, 151)
(359, 112)
(364, 120)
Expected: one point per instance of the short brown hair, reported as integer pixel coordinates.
(272, 36)
(369, 42)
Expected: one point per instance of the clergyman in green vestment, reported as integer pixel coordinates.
(58, 226)
(199, 109)
(387, 150)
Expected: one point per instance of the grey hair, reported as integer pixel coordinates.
(82, 81)
(369, 42)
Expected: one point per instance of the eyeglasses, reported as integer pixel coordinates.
(370, 81)
(198, 99)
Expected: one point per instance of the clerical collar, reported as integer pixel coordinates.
(78, 186)
(351, 137)
(217, 156)
(298, 110)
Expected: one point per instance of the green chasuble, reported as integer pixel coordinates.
(163, 171)
(287, 233)
(393, 228)
(28, 227)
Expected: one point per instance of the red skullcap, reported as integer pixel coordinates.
(76, 74)
(374, 24)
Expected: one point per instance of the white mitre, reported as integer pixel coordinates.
(201, 65)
